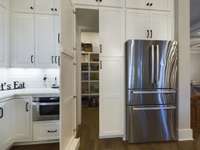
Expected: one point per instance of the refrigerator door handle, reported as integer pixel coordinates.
(158, 60)
(154, 92)
(152, 64)
(154, 108)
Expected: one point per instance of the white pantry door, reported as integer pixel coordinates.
(68, 139)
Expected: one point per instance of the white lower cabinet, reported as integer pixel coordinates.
(23, 120)
(45, 130)
(112, 99)
(6, 129)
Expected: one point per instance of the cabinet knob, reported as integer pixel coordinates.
(100, 0)
(56, 9)
(148, 4)
(52, 9)
(31, 8)
(151, 4)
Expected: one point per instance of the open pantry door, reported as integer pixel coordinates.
(68, 139)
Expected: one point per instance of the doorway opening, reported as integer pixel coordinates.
(88, 66)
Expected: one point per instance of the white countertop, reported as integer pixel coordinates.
(28, 92)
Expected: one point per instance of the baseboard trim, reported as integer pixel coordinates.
(185, 135)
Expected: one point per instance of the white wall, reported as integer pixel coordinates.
(195, 67)
(183, 38)
(32, 77)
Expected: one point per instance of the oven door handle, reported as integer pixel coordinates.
(45, 104)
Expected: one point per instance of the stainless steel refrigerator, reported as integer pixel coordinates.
(151, 90)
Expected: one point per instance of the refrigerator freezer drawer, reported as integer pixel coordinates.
(151, 124)
(165, 97)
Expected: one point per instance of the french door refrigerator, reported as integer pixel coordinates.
(151, 90)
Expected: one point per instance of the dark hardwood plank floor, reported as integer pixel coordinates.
(89, 139)
(54, 146)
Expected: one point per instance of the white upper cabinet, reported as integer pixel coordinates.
(22, 40)
(45, 41)
(137, 24)
(23, 120)
(149, 25)
(112, 99)
(150, 4)
(47, 6)
(162, 26)
(111, 31)
(86, 2)
(111, 3)
(4, 37)
(4, 3)
(23, 6)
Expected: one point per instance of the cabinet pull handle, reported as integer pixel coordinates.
(32, 61)
(52, 59)
(31, 7)
(59, 60)
(147, 33)
(100, 64)
(52, 131)
(58, 38)
(100, 47)
(151, 33)
(56, 62)
(27, 105)
(1, 109)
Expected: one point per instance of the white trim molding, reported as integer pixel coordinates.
(185, 135)
(74, 144)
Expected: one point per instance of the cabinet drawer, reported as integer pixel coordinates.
(45, 131)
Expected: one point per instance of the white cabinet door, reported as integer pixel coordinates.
(150, 4)
(4, 3)
(22, 40)
(4, 33)
(86, 2)
(112, 99)
(111, 3)
(111, 33)
(23, 6)
(44, 6)
(161, 26)
(161, 4)
(23, 120)
(137, 24)
(67, 36)
(45, 41)
(6, 123)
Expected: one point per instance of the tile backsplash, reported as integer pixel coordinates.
(33, 78)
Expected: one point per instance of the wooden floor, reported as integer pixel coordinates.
(90, 141)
